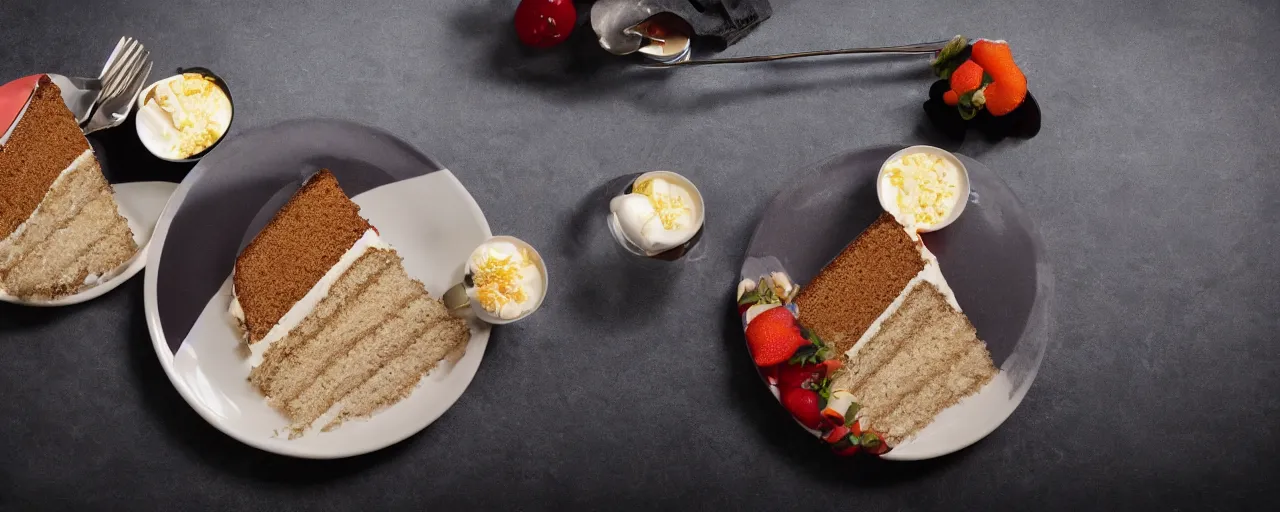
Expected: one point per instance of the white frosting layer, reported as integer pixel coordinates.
(931, 273)
(308, 302)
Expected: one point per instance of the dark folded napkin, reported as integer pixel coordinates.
(716, 23)
(720, 23)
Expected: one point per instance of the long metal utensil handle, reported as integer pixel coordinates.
(904, 49)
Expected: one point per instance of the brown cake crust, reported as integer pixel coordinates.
(305, 239)
(45, 141)
(860, 283)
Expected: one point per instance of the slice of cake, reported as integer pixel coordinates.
(851, 291)
(908, 350)
(60, 228)
(335, 327)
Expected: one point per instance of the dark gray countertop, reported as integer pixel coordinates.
(1154, 181)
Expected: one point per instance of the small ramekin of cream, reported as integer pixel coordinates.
(923, 187)
(182, 117)
(660, 215)
(504, 280)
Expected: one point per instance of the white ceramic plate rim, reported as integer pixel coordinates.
(166, 355)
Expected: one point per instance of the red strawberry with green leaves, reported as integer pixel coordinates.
(804, 404)
(774, 337)
(813, 352)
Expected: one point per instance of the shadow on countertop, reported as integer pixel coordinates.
(636, 286)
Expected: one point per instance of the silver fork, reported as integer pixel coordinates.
(119, 75)
(82, 94)
(114, 110)
(922, 48)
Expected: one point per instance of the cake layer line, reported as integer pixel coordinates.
(418, 318)
(304, 307)
(397, 379)
(352, 285)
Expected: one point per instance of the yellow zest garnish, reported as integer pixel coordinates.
(497, 281)
(669, 207)
(643, 188)
(926, 187)
(197, 99)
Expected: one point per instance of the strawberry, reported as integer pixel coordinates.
(795, 376)
(842, 442)
(804, 405)
(830, 366)
(967, 77)
(773, 337)
(1009, 86)
(874, 442)
(837, 434)
(951, 98)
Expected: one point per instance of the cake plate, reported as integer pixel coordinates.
(418, 206)
(140, 202)
(992, 256)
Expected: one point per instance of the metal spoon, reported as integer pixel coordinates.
(921, 48)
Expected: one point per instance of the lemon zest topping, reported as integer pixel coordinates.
(196, 98)
(669, 207)
(497, 280)
(926, 186)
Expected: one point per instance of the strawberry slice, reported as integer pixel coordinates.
(773, 337)
(803, 404)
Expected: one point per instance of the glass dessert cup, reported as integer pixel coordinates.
(665, 244)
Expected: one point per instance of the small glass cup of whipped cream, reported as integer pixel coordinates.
(659, 215)
(924, 187)
(504, 280)
(180, 118)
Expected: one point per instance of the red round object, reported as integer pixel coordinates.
(545, 23)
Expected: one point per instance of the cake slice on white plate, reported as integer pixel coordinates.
(60, 228)
(335, 327)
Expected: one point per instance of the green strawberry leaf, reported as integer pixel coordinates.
(851, 415)
(949, 58)
(971, 102)
(750, 298)
(804, 355)
(766, 293)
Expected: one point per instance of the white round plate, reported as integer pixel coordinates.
(140, 204)
(992, 257)
(418, 207)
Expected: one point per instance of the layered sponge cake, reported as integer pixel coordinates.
(334, 325)
(908, 350)
(60, 228)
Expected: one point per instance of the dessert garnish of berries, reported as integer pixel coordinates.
(545, 23)
(981, 86)
(801, 366)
